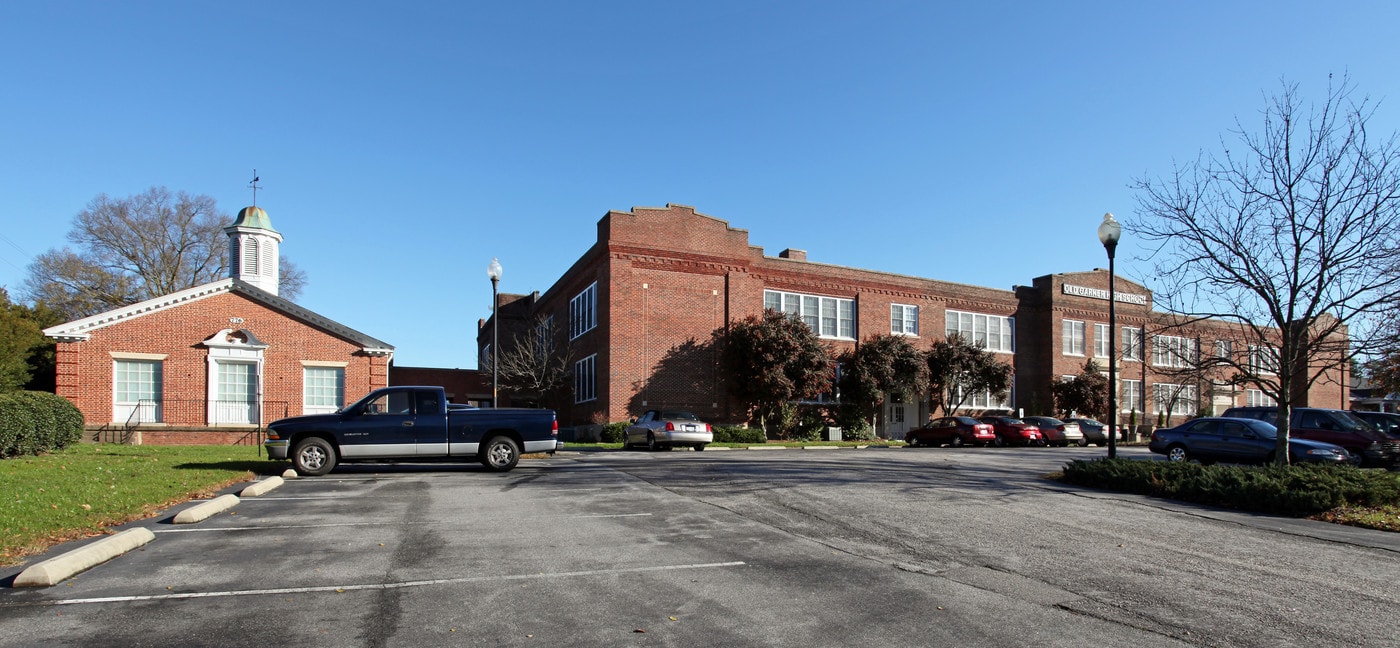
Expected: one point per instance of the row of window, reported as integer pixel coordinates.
(1167, 350)
(1176, 399)
(139, 386)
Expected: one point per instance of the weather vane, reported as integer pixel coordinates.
(254, 185)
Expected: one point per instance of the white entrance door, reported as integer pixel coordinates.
(897, 417)
(237, 401)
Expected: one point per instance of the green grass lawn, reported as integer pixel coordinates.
(84, 489)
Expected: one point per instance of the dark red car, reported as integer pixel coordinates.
(952, 430)
(1013, 431)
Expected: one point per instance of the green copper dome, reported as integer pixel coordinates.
(254, 218)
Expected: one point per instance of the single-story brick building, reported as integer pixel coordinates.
(214, 363)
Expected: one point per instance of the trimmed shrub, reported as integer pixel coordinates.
(613, 432)
(732, 434)
(35, 422)
(1298, 490)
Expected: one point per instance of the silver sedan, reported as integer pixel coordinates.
(666, 429)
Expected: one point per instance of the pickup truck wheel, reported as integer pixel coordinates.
(313, 456)
(501, 454)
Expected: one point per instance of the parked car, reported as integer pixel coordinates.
(408, 423)
(1056, 432)
(1338, 427)
(1013, 431)
(952, 430)
(1238, 440)
(1387, 423)
(666, 429)
(1094, 432)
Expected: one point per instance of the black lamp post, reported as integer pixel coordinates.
(494, 272)
(1109, 231)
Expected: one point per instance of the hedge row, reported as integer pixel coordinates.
(1298, 490)
(35, 422)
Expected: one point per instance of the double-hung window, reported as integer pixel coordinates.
(1263, 359)
(138, 390)
(904, 319)
(323, 389)
(1173, 351)
(1132, 344)
(1257, 398)
(1174, 399)
(1131, 395)
(828, 317)
(586, 379)
(1101, 340)
(583, 311)
(990, 332)
(1072, 337)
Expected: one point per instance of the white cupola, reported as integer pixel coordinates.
(253, 249)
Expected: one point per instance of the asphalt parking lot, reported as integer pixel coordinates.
(878, 547)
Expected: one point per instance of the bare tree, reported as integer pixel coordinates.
(130, 249)
(536, 362)
(1288, 241)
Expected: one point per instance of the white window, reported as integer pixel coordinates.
(323, 389)
(1257, 398)
(1072, 337)
(1224, 350)
(236, 393)
(1131, 396)
(904, 319)
(1174, 399)
(982, 400)
(991, 332)
(1101, 340)
(138, 391)
(1262, 359)
(1132, 344)
(586, 379)
(828, 317)
(583, 311)
(1173, 351)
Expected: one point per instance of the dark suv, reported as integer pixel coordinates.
(1331, 426)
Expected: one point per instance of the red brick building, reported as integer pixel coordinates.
(639, 306)
(214, 363)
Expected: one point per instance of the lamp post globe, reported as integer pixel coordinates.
(494, 272)
(1109, 233)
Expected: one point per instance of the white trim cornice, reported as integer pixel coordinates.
(81, 329)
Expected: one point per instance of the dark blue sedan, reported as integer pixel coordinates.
(1237, 440)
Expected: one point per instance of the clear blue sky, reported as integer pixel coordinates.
(403, 145)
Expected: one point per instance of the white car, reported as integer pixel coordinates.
(1056, 432)
(666, 429)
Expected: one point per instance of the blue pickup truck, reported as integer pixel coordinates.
(411, 424)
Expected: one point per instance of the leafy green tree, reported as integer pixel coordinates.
(1086, 393)
(957, 370)
(135, 248)
(880, 367)
(26, 356)
(773, 359)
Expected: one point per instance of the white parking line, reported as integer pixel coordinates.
(375, 586)
(388, 523)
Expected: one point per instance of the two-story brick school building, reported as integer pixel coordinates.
(639, 306)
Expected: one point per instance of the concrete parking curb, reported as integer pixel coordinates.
(201, 512)
(59, 568)
(289, 474)
(821, 447)
(258, 488)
